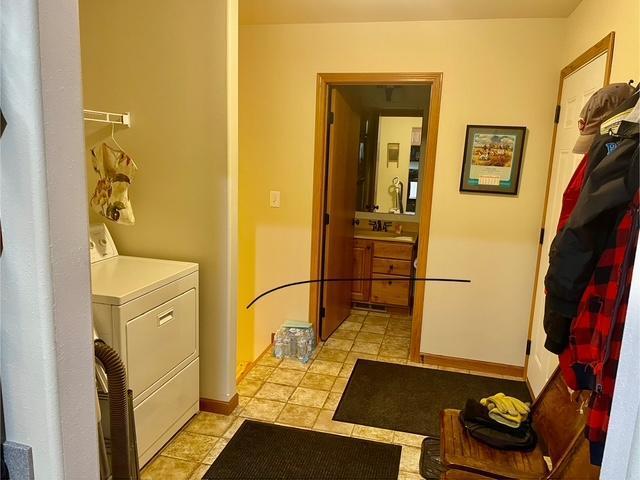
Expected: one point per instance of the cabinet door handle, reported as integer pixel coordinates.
(390, 282)
(390, 268)
(165, 317)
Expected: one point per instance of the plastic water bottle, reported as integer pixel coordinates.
(303, 346)
(312, 339)
(278, 348)
(287, 343)
(295, 347)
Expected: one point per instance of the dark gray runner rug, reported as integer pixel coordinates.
(264, 451)
(410, 399)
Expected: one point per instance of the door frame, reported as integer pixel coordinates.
(603, 46)
(324, 82)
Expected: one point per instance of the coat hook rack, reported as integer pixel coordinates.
(108, 117)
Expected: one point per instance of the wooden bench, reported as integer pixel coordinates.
(557, 420)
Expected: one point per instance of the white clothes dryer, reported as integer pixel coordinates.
(147, 310)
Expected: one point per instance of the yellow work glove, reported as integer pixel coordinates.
(506, 410)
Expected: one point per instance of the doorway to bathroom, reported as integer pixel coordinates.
(375, 147)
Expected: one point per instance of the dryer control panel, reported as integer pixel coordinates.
(101, 245)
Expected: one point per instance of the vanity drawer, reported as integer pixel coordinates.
(391, 266)
(160, 339)
(391, 291)
(400, 251)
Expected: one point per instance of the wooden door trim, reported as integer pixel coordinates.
(324, 82)
(604, 45)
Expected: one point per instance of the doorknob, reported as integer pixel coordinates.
(355, 221)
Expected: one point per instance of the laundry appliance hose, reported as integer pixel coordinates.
(118, 410)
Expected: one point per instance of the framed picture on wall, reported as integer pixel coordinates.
(492, 159)
(393, 153)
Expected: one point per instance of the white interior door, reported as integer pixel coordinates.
(577, 89)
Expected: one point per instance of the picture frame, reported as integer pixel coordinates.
(492, 159)
(393, 153)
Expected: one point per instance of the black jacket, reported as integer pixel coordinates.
(611, 182)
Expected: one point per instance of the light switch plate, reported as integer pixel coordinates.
(274, 199)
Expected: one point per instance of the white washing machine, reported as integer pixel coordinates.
(147, 310)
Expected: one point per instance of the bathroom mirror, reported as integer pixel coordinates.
(391, 146)
(390, 184)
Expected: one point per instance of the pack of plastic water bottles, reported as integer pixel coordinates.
(295, 340)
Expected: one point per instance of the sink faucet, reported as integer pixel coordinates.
(379, 225)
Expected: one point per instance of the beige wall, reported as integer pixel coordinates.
(501, 72)
(594, 19)
(168, 66)
(393, 130)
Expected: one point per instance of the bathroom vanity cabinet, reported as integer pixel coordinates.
(383, 258)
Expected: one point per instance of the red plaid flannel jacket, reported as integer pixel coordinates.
(591, 359)
(596, 332)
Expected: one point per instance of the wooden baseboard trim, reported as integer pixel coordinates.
(218, 406)
(529, 388)
(247, 368)
(225, 408)
(400, 311)
(473, 365)
(244, 372)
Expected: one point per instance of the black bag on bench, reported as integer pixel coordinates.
(480, 426)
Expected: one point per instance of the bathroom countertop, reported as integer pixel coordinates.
(386, 236)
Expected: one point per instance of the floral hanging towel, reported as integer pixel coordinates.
(111, 197)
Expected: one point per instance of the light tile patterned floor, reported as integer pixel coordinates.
(290, 393)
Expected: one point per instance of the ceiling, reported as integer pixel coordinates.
(346, 11)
